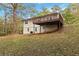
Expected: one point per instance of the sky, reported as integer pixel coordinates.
(39, 6)
(50, 5)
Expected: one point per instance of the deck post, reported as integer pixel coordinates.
(59, 25)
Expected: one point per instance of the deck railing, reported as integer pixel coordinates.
(46, 19)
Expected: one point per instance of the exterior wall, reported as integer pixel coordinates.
(39, 29)
(25, 28)
(31, 27)
(48, 28)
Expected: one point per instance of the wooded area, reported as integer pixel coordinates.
(14, 13)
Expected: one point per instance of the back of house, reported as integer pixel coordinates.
(43, 24)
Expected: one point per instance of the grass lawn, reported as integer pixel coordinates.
(63, 42)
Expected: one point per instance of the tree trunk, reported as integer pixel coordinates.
(14, 20)
(14, 6)
(5, 21)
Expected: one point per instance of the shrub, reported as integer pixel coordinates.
(3, 33)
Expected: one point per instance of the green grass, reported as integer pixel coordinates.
(63, 42)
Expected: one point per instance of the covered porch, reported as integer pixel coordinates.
(50, 26)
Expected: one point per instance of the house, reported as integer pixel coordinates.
(43, 24)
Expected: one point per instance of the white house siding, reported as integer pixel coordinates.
(25, 28)
(31, 27)
(38, 28)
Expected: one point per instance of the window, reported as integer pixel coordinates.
(35, 28)
(28, 29)
(26, 22)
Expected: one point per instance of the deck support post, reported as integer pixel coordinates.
(59, 25)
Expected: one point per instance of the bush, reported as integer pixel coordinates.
(3, 33)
